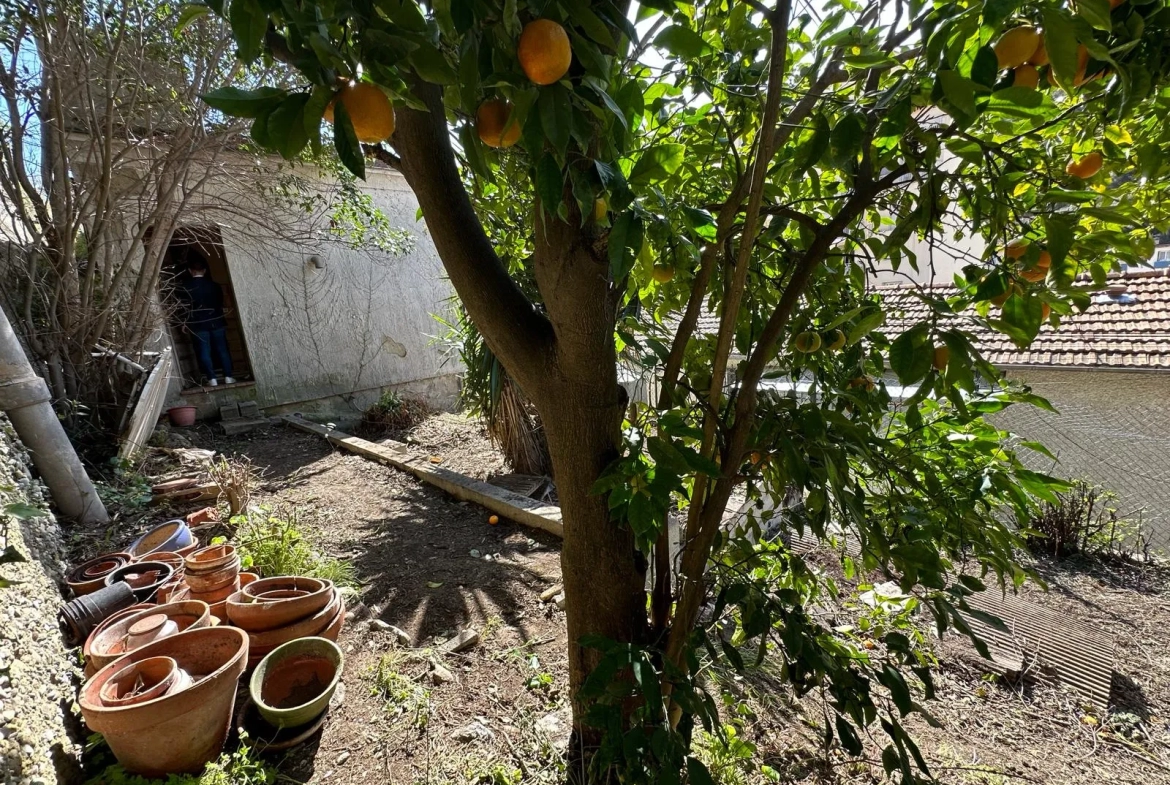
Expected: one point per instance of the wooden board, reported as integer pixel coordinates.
(503, 502)
(149, 406)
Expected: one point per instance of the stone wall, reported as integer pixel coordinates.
(37, 678)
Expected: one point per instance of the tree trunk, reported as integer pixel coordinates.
(603, 573)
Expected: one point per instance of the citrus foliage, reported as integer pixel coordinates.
(754, 164)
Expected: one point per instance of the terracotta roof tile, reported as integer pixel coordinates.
(1130, 329)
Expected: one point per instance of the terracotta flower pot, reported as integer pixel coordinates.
(210, 580)
(216, 596)
(326, 624)
(181, 732)
(171, 536)
(264, 585)
(113, 639)
(181, 416)
(293, 684)
(248, 577)
(142, 681)
(278, 607)
(89, 576)
(210, 558)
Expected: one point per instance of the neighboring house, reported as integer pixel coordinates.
(1107, 372)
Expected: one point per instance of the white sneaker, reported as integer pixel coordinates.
(229, 380)
(212, 383)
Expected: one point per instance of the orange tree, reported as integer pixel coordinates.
(751, 163)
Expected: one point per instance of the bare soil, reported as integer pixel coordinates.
(433, 566)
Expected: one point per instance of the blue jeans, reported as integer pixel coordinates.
(207, 340)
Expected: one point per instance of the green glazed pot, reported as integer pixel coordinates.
(293, 684)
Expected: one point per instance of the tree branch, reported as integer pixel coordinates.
(518, 334)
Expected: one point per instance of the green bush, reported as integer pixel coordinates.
(272, 543)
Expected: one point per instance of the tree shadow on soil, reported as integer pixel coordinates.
(419, 569)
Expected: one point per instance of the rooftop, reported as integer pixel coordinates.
(1127, 327)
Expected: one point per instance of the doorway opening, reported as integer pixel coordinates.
(206, 243)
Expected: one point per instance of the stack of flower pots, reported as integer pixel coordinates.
(165, 708)
(277, 610)
(211, 575)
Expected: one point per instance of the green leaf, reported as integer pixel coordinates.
(697, 773)
(1096, 13)
(550, 183)
(313, 112)
(1059, 231)
(556, 117)
(244, 103)
(845, 139)
(811, 151)
(249, 24)
(658, 163)
(431, 65)
(23, 511)
(911, 355)
(1060, 39)
(191, 12)
(996, 12)
(899, 691)
(985, 68)
(582, 16)
(849, 738)
(681, 42)
(959, 91)
(286, 126)
(625, 238)
(345, 141)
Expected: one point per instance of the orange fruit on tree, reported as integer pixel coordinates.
(942, 355)
(491, 123)
(834, 341)
(1035, 275)
(807, 342)
(662, 273)
(1045, 311)
(1026, 76)
(369, 109)
(544, 51)
(1086, 166)
(1016, 46)
(1016, 248)
(1082, 66)
(1044, 261)
(600, 209)
(1040, 56)
(1113, 4)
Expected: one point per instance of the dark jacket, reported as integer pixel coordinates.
(203, 299)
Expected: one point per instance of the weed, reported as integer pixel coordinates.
(404, 697)
(241, 767)
(235, 478)
(273, 544)
(727, 755)
(492, 773)
(541, 681)
(393, 412)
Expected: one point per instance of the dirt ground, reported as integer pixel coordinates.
(433, 566)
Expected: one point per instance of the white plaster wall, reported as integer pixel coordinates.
(360, 322)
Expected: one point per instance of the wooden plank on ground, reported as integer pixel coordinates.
(501, 501)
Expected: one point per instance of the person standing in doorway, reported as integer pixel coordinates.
(204, 319)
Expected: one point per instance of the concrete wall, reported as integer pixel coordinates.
(1113, 429)
(327, 336)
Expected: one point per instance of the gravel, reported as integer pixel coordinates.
(37, 674)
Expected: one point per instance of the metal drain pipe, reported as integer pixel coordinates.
(24, 396)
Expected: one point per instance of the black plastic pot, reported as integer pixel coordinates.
(80, 616)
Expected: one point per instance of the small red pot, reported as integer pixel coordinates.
(181, 416)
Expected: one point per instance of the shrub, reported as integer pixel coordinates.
(272, 543)
(1085, 519)
(393, 412)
